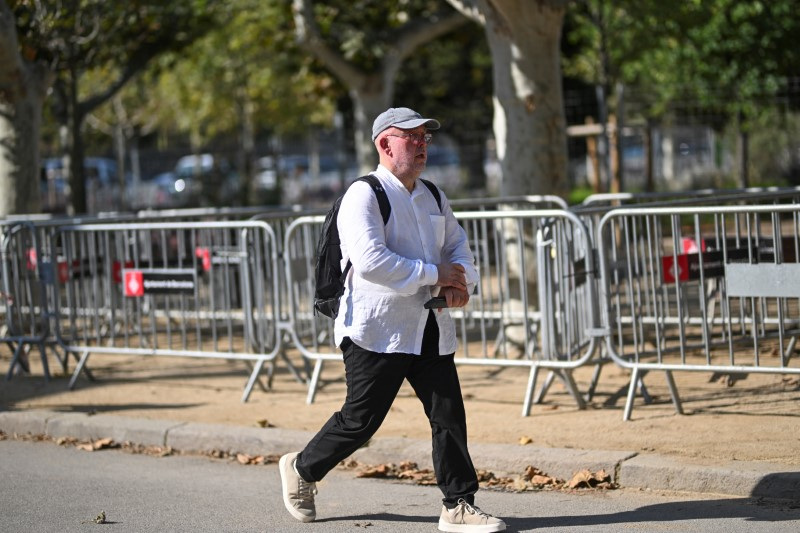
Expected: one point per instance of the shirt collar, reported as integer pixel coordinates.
(386, 173)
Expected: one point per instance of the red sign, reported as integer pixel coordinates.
(675, 270)
(31, 259)
(134, 283)
(204, 254)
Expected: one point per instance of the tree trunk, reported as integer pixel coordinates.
(20, 124)
(743, 152)
(367, 104)
(529, 124)
(23, 86)
(247, 149)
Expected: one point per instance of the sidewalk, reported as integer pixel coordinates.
(739, 440)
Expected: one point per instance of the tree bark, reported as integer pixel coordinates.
(529, 125)
(23, 86)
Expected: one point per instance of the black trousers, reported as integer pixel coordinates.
(373, 381)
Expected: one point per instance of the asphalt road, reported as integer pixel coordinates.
(46, 487)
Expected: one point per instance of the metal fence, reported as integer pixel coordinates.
(26, 297)
(196, 289)
(710, 289)
(30, 265)
(676, 282)
(533, 308)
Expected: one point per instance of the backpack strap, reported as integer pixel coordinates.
(434, 191)
(383, 204)
(380, 194)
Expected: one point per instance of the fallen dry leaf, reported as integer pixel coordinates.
(531, 479)
(588, 479)
(375, 471)
(101, 444)
(243, 459)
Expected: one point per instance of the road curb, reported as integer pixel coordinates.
(629, 469)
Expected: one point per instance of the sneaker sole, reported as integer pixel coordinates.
(468, 528)
(282, 464)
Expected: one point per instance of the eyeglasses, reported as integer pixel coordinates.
(417, 138)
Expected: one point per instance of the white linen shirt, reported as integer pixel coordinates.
(394, 266)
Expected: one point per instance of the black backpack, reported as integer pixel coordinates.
(328, 274)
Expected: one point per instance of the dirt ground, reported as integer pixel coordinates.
(754, 419)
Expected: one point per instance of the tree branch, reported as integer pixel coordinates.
(470, 9)
(416, 34)
(308, 36)
(135, 64)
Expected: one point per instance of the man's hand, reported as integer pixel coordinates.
(455, 297)
(452, 275)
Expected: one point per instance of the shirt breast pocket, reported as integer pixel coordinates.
(437, 223)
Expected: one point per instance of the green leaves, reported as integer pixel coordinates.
(722, 53)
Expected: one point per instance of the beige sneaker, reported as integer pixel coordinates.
(468, 518)
(298, 494)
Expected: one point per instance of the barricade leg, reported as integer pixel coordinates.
(545, 387)
(15, 360)
(255, 372)
(78, 369)
(20, 359)
(253, 380)
(526, 406)
(572, 387)
(45, 365)
(312, 384)
(673, 392)
(642, 388)
(292, 368)
(626, 415)
(787, 355)
(593, 384)
(569, 382)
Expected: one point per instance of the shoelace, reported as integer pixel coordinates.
(471, 509)
(306, 490)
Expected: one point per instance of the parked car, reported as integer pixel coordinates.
(205, 180)
(303, 184)
(102, 185)
(153, 192)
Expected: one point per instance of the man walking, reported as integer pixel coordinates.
(384, 331)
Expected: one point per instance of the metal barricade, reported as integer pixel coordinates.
(533, 309)
(710, 289)
(673, 197)
(192, 289)
(25, 303)
(596, 206)
(30, 266)
(546, 201)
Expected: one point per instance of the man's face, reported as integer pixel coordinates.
(409, 150)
